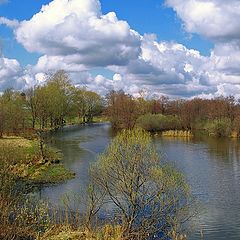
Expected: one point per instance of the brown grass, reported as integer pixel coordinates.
(107, 232)
(177, 133)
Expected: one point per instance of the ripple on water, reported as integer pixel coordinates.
(211, 166)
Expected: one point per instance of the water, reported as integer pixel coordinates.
(211, 166)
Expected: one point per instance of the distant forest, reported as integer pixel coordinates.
(59, 102)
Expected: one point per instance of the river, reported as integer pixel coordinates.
(210, 165)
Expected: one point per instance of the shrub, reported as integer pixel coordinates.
(158, 122)
(219, 127)
(148, 199)
(236, 125)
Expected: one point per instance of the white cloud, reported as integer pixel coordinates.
(117, 77)
(10, 74)
(75, 36)
(13, 75)
(215, 19)
(50, 63)
(167, 68)
(228, 89)
(77, 30)
(226, 59)
(9, 23)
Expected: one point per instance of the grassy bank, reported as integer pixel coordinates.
(174, 126)
(23, 159)
(26, 216)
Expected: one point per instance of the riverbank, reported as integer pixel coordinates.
(78, 121)
(23, 159)
(25, 217)
(22, 215)
(176, 126)
(189, 134)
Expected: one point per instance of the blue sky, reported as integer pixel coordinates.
(196, 51)
(153, 16)
(20, 10)
(145, 16)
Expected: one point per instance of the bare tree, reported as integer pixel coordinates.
(122, 110)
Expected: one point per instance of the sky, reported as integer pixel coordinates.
(180, 49)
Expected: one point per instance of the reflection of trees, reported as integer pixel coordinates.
(220, 149)
(223, 149)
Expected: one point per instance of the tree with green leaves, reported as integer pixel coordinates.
(148, 198)
(12, 112)
(87, 104)
(60, 92)
(50, 103)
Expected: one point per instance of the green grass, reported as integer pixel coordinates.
(23, 159)
(49, 173)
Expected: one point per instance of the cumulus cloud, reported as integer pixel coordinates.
(80, 33)
(76, 36)
(215, 19)
(10, 74)
(13, 75)
(69, 63)
(167, 67)
(225, 58)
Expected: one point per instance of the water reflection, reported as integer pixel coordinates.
(211, 166)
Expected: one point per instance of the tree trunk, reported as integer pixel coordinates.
(41, 145)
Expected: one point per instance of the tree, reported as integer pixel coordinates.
(59, 92)
(122, 110)
(87, 104)
(2, 117)
(51, 102)
(149, 198)
(93, 105)
(12, 112)
(164, 101)
(31, 102)
(79, 103)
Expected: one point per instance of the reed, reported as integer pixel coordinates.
(177, 133)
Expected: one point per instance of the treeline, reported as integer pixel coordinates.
(47, 106)
(219, 116)
(51, 105)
